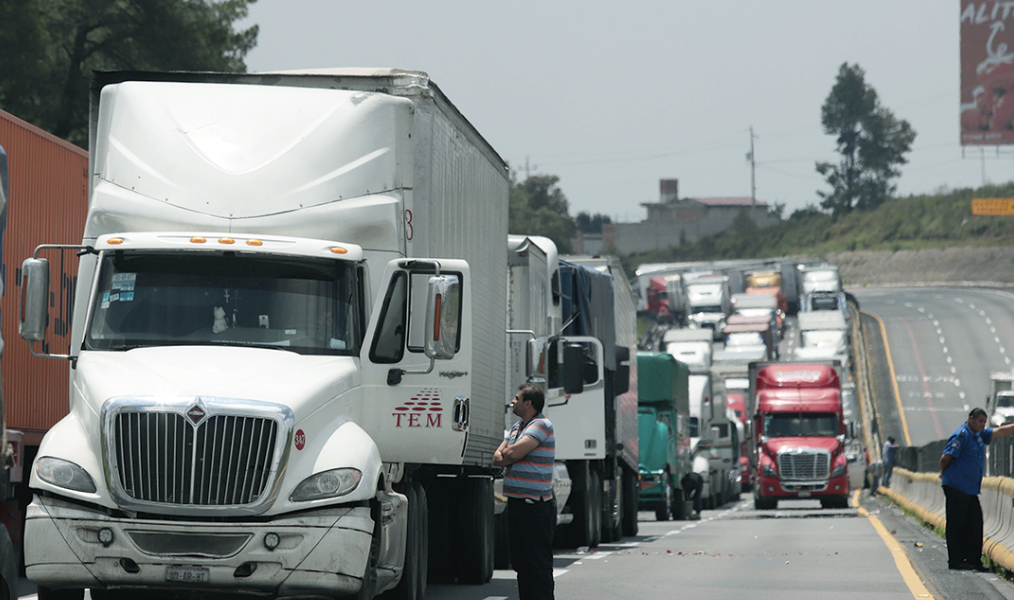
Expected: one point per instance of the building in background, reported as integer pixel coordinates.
(673, 222)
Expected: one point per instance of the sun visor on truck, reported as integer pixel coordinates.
(797, 375)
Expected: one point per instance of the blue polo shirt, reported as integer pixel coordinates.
(969, 463)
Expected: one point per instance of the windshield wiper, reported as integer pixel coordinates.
(125, 347)
(251, 345)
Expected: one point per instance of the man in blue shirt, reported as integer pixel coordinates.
(888, 457)
(962, 466)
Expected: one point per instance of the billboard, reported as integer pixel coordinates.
(987, 72)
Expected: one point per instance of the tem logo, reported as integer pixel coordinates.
(299, 439)
(423, 409)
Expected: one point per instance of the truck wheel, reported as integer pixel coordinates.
(441, 527)
(607, 528)
(678, 503)
(369, 587)
(413, 573)
(45, 593)
(580, 531)
(473, 549)
(595, 499)
(502, 549)
(629, 503)
(664, 507)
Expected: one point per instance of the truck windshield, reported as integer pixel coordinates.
(1005, 401)
(306, 305)
(801, 425)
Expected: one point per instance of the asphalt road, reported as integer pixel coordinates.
(944, 342)
(796, 552)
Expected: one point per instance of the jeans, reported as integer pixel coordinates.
(964, 528)
(530, 530)
(888, 469)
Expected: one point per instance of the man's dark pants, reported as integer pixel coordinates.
(964, 528)
(530, 530)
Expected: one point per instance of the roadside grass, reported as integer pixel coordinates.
(940, 220)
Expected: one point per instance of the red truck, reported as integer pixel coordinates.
(45, 184)
(799, 433)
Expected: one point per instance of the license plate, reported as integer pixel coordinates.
(804, 494)
(187, 574)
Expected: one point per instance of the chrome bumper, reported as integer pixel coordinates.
(319, 553)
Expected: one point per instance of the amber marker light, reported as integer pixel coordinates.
(226, 241)
(338, 250)
(254, 243)
(198, 240)
(114, 241)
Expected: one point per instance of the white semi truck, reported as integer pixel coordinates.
(709, 302)
(286, 369)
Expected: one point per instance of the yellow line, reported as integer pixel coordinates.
(912, 579)
(894, 377)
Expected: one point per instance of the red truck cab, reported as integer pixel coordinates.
(799, 433)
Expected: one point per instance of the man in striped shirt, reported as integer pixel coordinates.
(528, 452)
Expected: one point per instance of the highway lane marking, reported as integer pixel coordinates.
(922, 371)
(901, 561)
(894, 374)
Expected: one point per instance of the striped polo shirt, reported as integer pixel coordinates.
(532, 477)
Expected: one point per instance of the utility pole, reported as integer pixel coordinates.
(753, 171)
(529, 168)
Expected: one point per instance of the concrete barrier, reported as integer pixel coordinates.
(921, 494)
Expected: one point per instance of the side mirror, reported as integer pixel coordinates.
(443, 302)
(536, 358)
(573, 368)
(34, 299)
(621, 383)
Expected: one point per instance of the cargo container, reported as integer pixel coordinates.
(45, 187)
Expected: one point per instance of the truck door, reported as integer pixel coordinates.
(417, 409)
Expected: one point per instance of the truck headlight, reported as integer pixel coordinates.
(839, 470)
(65, 474)
(768, 471)
(997, 420)
(327, 484)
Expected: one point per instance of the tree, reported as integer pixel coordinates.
(872, 143)
(538, 207)
(589, 223)
(50, 48)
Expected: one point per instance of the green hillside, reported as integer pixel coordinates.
(915, 222)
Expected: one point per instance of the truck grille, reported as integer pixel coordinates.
(225, 460)
(808, 465)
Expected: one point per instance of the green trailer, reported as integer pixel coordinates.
(663, 407)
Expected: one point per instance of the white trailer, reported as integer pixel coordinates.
(286, 374)
(709, 302)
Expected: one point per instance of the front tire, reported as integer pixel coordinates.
(629, 503)
(664, 507)
(474, 547)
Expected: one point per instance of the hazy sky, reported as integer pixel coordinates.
(611, 97)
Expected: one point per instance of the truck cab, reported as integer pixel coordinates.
(799, 434)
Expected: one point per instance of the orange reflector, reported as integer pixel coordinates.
(114, 241)
(198, 240)
(338, 250)
(226, 241)
(436, 319)
(254, 243)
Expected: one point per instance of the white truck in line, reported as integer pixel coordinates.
(713, 442)
(709, 302)
(1000, 404)
(597, 429)
(694, 347)
(286, 370)
(820, 284)
(823, 335)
